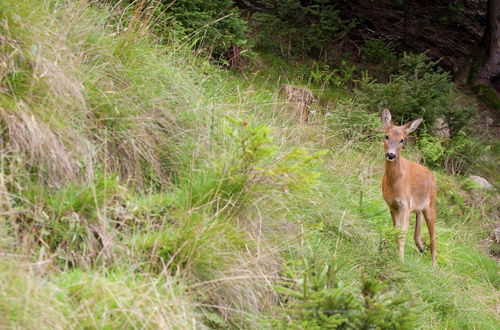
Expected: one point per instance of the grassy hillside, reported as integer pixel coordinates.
(143, 186)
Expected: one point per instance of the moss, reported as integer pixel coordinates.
(488, 96)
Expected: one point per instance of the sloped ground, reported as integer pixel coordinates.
(144, 187)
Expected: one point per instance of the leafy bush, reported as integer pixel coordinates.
(210, 26)
(457, 154)
(376, 51)
(432, 150)
(292, 28)
(321, 74)
(353, 121)
(320, 301)
(418, 89)
(255, 159)
(463, 151)
(213, 26)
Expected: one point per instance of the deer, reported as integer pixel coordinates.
(407, 186)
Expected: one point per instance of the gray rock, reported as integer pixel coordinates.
(490, 121)
(440, 128)
(482, 182)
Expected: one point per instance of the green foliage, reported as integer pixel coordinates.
(253, 142)
(192, 244)
(320, 301)
(463, 152)
(376, 51)
(418, 89)
(293, 170)
(432, 150)
(353, 121)
(488, 96)
(66, 218)
(291, 28)
(456, 154)
(195, 222)
(322, 75)
(212, 26)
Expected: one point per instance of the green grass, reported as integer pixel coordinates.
(130, 199)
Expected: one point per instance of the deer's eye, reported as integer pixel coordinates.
(401, 141)
(387, 137)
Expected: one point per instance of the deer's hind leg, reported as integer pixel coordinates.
(430, 218)
(416, 236)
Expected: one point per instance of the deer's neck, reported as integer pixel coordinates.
(394, 170)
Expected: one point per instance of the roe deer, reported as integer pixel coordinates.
(407, 186)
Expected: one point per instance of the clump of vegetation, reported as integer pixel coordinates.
(418, 89)
(354, 121)
(377, 52)
(321, 74)
(456, 155)
(294, 170)
(320, 301)
(292, 28)
(211, 27)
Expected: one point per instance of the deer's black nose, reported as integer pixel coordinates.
(390, 156)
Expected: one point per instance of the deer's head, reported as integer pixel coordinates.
(395, 135)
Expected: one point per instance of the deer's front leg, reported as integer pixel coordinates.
(401, 218)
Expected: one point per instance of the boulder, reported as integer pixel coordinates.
(482, 182)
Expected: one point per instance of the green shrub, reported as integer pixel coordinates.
(256, 159)
(377, 51)
(353, 121)
(291, 28)
(432, 150)
(322, 75)
(456, 154)
(418, 89)
(212, 26)
(463, 152)
(198, 243)
(320, 301)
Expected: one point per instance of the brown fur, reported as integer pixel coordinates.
(407, 187)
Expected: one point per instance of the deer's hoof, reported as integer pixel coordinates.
(421, 249)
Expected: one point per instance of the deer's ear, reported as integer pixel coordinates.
(386, 118)
(412, 125)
